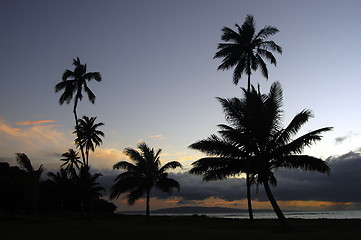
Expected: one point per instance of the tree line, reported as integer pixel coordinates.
(254, 141)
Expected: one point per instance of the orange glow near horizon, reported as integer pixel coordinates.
(237, 204)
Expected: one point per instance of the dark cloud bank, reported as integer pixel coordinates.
(343, 185)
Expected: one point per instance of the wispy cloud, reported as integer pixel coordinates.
(34, 122)
(348, 136)
(32, 138)
(157, 136)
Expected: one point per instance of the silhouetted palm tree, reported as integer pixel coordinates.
(63, 185)
(88, 135)
(269, 146)
(141, 177)
(88, 188)
(71, 159)
(75, 82)
(245, 49)
(25, 163)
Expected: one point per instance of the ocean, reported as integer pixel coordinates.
(303, 215)
(351, 214)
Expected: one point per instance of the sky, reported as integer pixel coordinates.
(160, 83)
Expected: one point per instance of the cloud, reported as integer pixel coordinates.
(348, 136)
(157, 136)
(34, 122)
(341, 187)
(105, 158)
(36, 140)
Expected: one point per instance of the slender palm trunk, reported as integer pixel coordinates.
(249, 74)
(147, 214)
(77, 127)
(285, 225)
(250, 211)
(87, 156)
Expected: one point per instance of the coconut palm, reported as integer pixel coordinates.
(88, 189)
(71, 159)
(62, 183)
(260, 144)
(75, 82)
(245, 49)
(34, 175)
(139, 178)
(88, 135)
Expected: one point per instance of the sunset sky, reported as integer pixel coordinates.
(160, 82)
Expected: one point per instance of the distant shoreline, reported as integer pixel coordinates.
(220, 212)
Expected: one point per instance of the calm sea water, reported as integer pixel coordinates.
(356, 214)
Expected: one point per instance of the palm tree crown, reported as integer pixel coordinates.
(88, 134)
(75, 82)
(245, 49)
(71, 159)
(258, 142)
(147, 172)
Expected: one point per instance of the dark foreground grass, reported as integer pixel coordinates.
(167, 227)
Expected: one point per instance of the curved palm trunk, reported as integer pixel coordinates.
(147, 214)
(285, 225)
(77, 127)
(249, 201)
(250, 211)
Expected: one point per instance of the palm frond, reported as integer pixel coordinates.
(170, 165)
(297, 145)
(220, 165)
(91, 95)
(24, 162)
(215, 146)
(135, 194)
(304, 162)
(123, 165)
(294, 126)
(167, 184)
(134, 155)
(68, 74)
(93, 75)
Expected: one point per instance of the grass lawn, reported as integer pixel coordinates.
(166, 227)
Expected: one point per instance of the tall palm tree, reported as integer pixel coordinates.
(88, 135)
(263, 139)
(75, 82)
(139, 178)
(71, 159)
(245, 49)
(25, 163)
